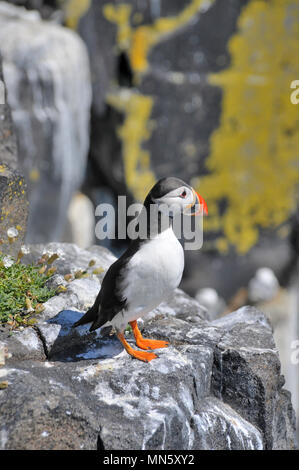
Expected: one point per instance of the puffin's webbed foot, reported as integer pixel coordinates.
(143, 343)
(141, 355)
(151, 344)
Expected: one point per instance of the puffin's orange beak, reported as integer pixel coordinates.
(198, 203)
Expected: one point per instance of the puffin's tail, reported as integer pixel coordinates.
(89, 316)
(92, 316)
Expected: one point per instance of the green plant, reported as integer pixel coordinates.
(128, 329)
(23, 290)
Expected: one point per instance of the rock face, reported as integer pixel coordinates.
(13, 198)
(48, 10)
(283, 311)
(46, 69)
(174, 94)
(218, 385)
(159, 52)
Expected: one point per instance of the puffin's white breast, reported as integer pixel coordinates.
(153, 273)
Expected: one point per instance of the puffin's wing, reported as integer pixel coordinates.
(110, 299)
(91, 314)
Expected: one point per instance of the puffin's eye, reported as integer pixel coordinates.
(183, 194)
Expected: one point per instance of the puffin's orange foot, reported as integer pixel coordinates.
(143, 343)
(141, 355)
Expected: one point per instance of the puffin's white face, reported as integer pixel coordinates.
(176, 201)
(181, 200)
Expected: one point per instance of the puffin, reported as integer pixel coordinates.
(147, 273)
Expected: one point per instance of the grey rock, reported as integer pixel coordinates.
(263, 286)
(209, 298)
(230, 272)
(181, 306)
(179, 331)
(46, 70)
(71, 258)
(282, 311)
(47, 10)
(63, 342)
(219, 427)
(13, 192)
(245, 315)
(217, 386)
(100, 37)
(40, 412)
(23, 344)
(284, 421)
(56, 281)
(80, 294)
(246, 375)
(8, 145)
(165, 403)
(80, 227)
(71, 344)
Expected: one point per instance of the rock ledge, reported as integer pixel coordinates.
(218, 385)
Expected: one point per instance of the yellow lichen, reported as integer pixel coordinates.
(253, 160)
(34, 175)
(137, 42)
(74, 10)
(120, 14)
(140, 40)
(134, 131)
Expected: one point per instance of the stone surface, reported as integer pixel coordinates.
(217, 386)
(229, 272)
(46, 70)
(23, 344)
(242, 379)
(209, 298)
(71, 258)
(81, 222)
(13, 197)
(219, 427)
(263, 286)
(8, 146)
(283, 310)
(48, 9)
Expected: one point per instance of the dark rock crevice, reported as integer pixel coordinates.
(42, 340)
(125, 74)
(100, 443)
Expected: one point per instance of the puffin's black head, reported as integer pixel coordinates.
(173, 194)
